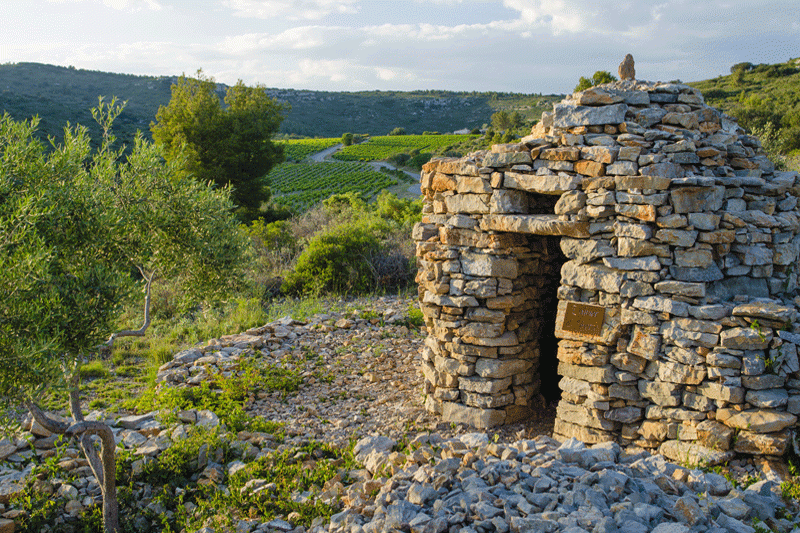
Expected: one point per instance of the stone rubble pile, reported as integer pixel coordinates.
(469, 485)
(655, 240)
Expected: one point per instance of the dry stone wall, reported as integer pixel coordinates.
(654, 239)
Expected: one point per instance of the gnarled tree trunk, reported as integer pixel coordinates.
(103, 465)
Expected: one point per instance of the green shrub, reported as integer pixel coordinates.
(272, 236)
(337, 260)
(416, 161)
(404, 212)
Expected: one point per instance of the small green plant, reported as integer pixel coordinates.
(93, 369)
(760, 526)
(227, 401)
(36, 498)
(755, 326)
(415, 317)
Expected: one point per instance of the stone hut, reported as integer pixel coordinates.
(633, 259)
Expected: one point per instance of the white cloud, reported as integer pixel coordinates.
(291, 9)
(385, 74)
(133, 4)
(299, 38)
(426, 32)
(328, 70)
(121, 5)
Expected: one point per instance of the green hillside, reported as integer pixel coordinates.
(328, 114)
(59, 95)
(765, 99)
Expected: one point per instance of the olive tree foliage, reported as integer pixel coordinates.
(230, 144)
(81, 230)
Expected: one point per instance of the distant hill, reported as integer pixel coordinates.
(64, 94)
(59, 95)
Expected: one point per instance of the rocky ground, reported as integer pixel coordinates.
(361, 381)
(373, 384)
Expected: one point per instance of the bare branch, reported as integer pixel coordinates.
(53, 426)
(141, 331)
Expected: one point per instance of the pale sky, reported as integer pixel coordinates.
(349, 45)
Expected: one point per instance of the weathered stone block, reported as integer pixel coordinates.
(663, 394)
(585, 250)
(571, 202)
(644, 344)
(630, 247)
(652, 430)
(624, 415)
(694, 258)
(622, 168)
(646, 213)
(501, 368)
(693, 453)
(592, 277)
(467, 203)
(443, 182)
(629, 362)
(548, 184)
(472, 416)
(590, 168)
(487, 401)
(697, 199)
(764, 381)
(508, 201)
(503, 159)
(489, 265)
(757, 420)
(592, 374)
(472, 184)
(762, 443)
(567, 115)
(661, 304)
(682, 288)
(481, 329)
(718, 391)
(746, 338)
(676, 237)
(563, 153)
(767, 310)
(678, 373)
(536, 224)
(583, 416)
(769, 398)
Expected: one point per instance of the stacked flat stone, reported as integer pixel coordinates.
(673, 221)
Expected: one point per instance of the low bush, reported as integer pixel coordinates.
(362, 248)
(337, 260)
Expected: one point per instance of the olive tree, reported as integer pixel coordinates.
(80, 231)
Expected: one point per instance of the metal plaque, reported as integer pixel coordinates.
(584, 319)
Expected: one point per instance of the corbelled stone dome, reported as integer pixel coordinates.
(633, 259)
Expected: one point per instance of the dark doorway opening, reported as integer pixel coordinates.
(548, 343)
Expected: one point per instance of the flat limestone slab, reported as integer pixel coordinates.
(536, 225)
